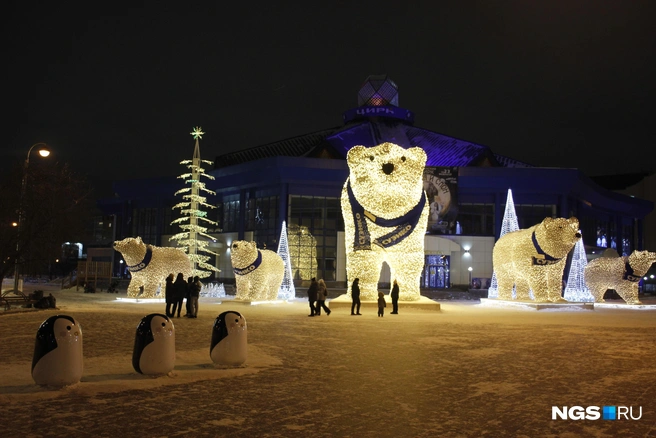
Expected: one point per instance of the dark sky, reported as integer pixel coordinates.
(117, 91)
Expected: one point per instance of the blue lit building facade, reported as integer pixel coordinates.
(299, 181)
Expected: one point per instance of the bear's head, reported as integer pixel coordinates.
(242, 253)
(641, 261)
(387, 179)
(132, 248)
(558, 236)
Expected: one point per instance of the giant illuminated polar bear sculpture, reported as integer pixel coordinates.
(385, 217)
(258, 272)
(619, 273)
(534, 259)
(149, 265)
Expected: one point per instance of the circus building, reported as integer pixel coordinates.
(299, 181)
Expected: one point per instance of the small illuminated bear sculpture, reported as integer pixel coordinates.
(303, 252)
(619, 273)
(385, 214)
(258, 272)
(534, 259)
(150, 265)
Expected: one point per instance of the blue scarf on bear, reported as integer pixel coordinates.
(253, 266)
(403, 225)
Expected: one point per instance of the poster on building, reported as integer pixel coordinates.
(441, 186)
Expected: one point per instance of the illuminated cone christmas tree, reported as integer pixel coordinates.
(508, 225)
(576, 289)
(194, 238)
(287, 290)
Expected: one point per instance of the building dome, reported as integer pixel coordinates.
(378, 90)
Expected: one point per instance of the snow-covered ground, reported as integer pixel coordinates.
(467, 370)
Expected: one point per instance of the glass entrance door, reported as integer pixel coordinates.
(436, 272)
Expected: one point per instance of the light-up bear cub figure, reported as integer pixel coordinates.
(619, 273)
(385, 217)
(303, 251)
(534, 259)
(258, 272)
(149, 265)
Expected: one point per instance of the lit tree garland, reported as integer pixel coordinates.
(287, 290)
(576, 289)
(508, 225)
(190, 239)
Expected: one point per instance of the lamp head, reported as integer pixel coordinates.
(44, 150)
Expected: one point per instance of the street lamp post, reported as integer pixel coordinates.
(470, 269)
(44, 151)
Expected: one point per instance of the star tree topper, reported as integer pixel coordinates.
(197, 133)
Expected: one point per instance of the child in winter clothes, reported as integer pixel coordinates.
(381, 304)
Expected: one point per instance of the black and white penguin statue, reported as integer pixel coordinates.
(229, 333)
(154, 345)
(58, 358)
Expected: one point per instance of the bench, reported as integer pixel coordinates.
(16, 298)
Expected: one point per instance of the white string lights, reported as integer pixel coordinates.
(385, 217)
(194, 239)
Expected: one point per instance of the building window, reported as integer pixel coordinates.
(230, 213)
(144, 224)
(262, 218)
(529, 215)
(476, 219)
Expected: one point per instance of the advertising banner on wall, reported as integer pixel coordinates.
(441, 186)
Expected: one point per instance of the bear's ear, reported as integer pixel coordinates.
(547, 220)
(355, 153)
(574, 223)
(417, 154)
(138, 239)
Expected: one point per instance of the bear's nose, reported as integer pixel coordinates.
(234, 245)
(388, 168)
(578, 235)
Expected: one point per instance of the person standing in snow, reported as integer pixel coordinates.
(355, 296)
(395, 298)
(381, 304)
(312, 295)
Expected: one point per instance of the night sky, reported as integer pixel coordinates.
(116, 92)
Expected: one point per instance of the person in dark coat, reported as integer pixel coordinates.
(194, 295)
(168, 294)
(355, 296)
(190, 286)
(312, 295)
(395, 298)
(179, 293)
(381, 304)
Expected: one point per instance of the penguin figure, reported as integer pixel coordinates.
(229, 339)
(154, 345)
(58, 359)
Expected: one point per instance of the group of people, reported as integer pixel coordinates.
(177, 290)
(317, 293)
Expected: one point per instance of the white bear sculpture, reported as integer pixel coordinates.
(149, 265)
(385, 214)
(258, 272)
(534, 259)
(619, 273)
